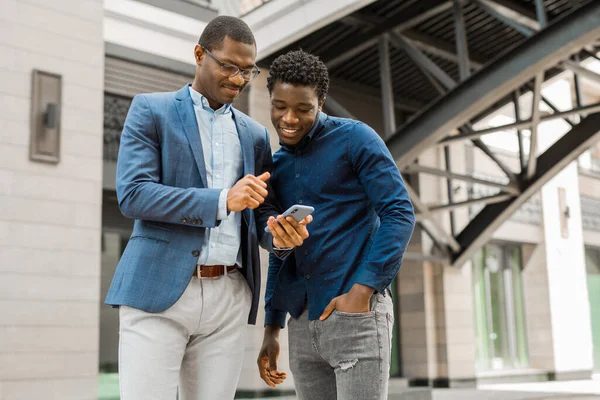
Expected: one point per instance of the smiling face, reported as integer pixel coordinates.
(294, 111)
(211, 83)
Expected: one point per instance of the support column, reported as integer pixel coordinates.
(387, 89)
(555, 281)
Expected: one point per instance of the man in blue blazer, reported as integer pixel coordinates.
(192, 171)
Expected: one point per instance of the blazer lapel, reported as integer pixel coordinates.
(245, 141)
(185, 108)
(247, 154)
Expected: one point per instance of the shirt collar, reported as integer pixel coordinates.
(200, 101)
(310, 135)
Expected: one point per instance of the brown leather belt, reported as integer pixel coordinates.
(212, 271)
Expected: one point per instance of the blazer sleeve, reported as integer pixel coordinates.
(139, 191)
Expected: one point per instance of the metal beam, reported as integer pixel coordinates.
(489, 7)
(421, 11)
(416, 168)
(524, 124)
(414, 256)
(519, 9)
(578, 90)
(421, 60)
(582, 71)
(409, 105)
(517, 106)
(342, 57)
(535, 121)
(435, 84)
(462, 48)
(335, 108)
(566, 149)
(449, 188)
(441, 48)
(514, 11)
(443, 236)
(486, 150)
(541, 13)
(387, 88)
(495, 82)
(413, 14)
(424, 42)
(481, 200)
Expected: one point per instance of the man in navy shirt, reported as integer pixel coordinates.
(336, 285)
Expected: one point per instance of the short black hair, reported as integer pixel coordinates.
(213, 35)
(301, 68)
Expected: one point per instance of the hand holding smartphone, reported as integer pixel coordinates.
(297, 211)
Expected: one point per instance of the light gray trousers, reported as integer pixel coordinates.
(195, 347)
(345, 357)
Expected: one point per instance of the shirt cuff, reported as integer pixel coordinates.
(222, 208)
(275, 317)
(371, 279)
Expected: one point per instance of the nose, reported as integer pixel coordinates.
(237, 79)
(289, 118)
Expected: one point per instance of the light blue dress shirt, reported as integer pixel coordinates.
(224, 167)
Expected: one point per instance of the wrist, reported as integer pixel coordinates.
(362, 290)
(272, 331)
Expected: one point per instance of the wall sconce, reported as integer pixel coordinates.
(46, 91)
(565, 213)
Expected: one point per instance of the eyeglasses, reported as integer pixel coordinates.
(230, 70)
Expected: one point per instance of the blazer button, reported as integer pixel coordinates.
(195, 252)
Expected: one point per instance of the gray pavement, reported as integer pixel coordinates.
(479, 394)
(474, 394)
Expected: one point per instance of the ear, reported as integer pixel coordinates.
(199, 54)
(321, 103)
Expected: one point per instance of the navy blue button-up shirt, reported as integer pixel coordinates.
(363, 217)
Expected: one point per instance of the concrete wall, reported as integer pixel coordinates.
(50, 214)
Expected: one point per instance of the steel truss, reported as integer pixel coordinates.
(484, 87)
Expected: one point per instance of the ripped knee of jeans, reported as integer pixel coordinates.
(346, 365)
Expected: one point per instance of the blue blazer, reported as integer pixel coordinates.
(161, 183)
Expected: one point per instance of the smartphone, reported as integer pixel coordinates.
(297, 211)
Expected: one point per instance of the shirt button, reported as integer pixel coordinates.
(305, 252)
(217, 176)
(195, 252)
(212, 245)
(217, 144)
(307, 276)
(297, 176)
(299, 201)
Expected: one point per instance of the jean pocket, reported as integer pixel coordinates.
(354, 315)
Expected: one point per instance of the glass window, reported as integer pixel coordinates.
(501, 340)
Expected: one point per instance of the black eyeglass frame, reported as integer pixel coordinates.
(252, 73)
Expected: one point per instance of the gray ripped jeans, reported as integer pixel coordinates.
(345, 357)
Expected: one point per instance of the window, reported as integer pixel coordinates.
(500, 333)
